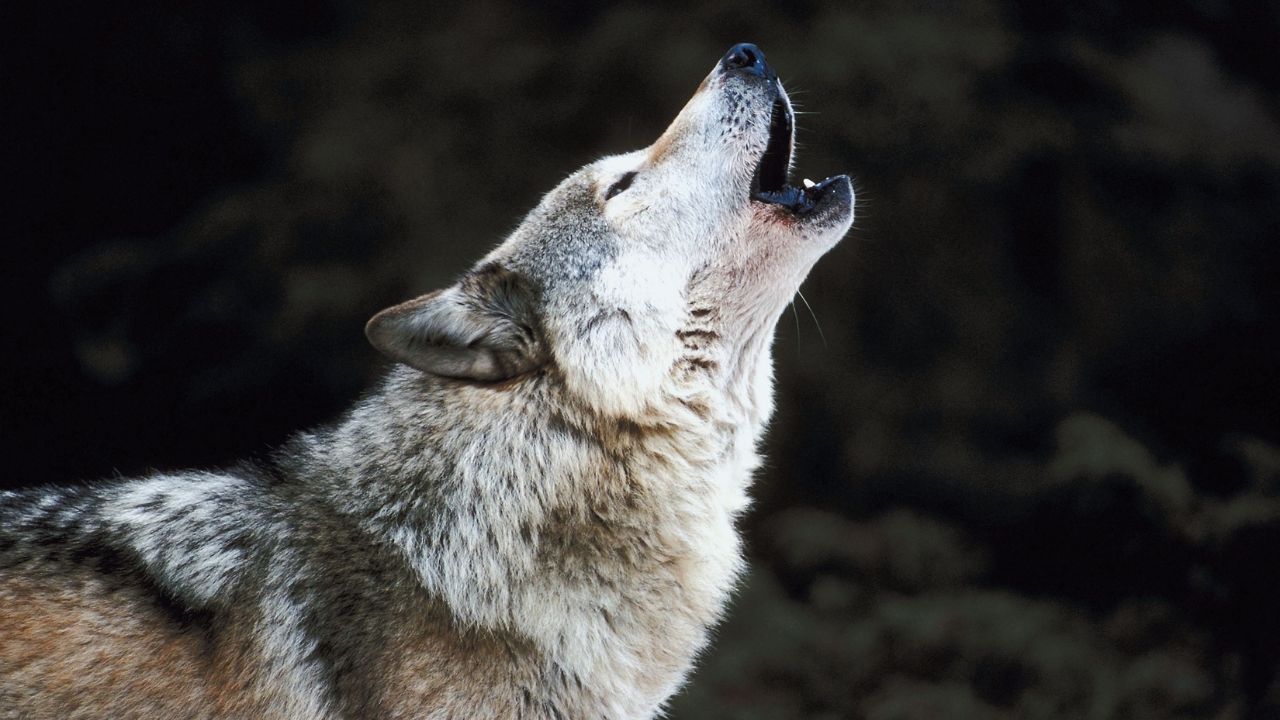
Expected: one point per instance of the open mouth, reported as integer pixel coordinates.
(769, 184)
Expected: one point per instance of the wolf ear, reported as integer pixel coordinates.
(485, 329)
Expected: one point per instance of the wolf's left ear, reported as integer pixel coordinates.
(485, 328)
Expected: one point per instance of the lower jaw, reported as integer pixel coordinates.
(799, 201)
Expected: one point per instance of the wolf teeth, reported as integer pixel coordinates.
(808, 183)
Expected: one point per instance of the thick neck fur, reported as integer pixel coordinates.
(609, 541)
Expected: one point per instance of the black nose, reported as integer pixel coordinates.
(747, 58)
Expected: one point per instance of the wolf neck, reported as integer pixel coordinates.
(610, 544)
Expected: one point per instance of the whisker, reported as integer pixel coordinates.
(813, 315)
(796, 315)
(786, 83)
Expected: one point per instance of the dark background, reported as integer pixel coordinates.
(1030, 466)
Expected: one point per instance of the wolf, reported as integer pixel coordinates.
(531, 516)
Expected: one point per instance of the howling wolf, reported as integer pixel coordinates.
(532, 516)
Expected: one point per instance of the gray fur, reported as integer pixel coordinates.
(532, 517)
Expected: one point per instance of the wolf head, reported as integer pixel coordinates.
(665, 265)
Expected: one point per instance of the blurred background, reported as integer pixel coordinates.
(1029, 465)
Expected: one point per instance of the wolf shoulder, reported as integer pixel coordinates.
(180, 595)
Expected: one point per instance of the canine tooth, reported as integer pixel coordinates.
(808, 183)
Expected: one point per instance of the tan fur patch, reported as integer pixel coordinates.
(661, 147)
(435, 669)
(76, 648)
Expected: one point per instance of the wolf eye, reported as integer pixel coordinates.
(623, 183)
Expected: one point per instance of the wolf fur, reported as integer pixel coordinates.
(532, 516)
